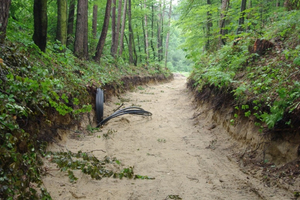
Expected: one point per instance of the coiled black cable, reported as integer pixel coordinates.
(99, 105)
(133, 110)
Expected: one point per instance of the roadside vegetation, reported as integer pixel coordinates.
(34, 87)
(42, 89)
(254, 57)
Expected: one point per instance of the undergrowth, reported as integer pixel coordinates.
(35, 86)
(265, 86)
(90, 165)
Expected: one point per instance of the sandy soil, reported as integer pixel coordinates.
(187, 157)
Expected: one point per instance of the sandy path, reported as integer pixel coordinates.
(179, 152)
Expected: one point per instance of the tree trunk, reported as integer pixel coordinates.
(146, 34)
(94, 26)
(152, 30)
(102, 38)
(85, 29)
(71, 21)
(168, 34)
(61, 33)
(224, 8)
(130, 34)
(114, 47)
(40, 24)
(242, 17)
(162, 31)
(208, 26)
(113, 26)
(139, 44)
(4, 11)
(81, 34)
(159, 42)
(123, 27)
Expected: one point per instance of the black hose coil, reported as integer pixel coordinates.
(99, 105)
(133, 110)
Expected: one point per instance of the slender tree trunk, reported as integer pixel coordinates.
(249, 16)
(162, 30)
(114, 47)
(139, 44)
(102, 38)
(126, 38)
(113, 26)
(94, 26)
(123, 27)
(152, 30)
(40, 24)
(261, 15)
(159, 42)
(242, 17)
(224, 7)
(168, 34)
(144, 36)
(4, 11)
(208, 26)
(81, 34)
(71, 21)
(130, 49)
(85, 38)
(61, 33)
(146, 33)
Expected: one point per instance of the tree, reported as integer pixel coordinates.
(61, 33)
(123, 27)
(242, 17)
(159, 32)
(146, 33)
(114, 47)
(152, 29)
(71, 21)
(4, 11)
(131, 46)
(102, 38)
(113, 27)
(208, 26)
(81, 34)
(94, 23)
(168, 34)
(40, 23)
(224, 7)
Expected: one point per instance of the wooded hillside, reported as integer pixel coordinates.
(249, 49)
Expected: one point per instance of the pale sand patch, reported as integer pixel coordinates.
(186, 157)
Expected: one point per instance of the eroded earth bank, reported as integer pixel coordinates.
(189, 157)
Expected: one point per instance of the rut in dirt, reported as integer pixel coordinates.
(185, 156)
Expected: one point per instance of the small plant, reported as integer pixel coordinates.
(161, 140)
(89, 164)
(109, 134)
(92, 129)
(140, 88)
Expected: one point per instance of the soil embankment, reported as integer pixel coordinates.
(189, 156)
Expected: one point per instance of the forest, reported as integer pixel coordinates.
(54, 53)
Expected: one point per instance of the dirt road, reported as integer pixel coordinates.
(186, 157)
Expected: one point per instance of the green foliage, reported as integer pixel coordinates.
(264, 87)
(35, 85)
(90, 165)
